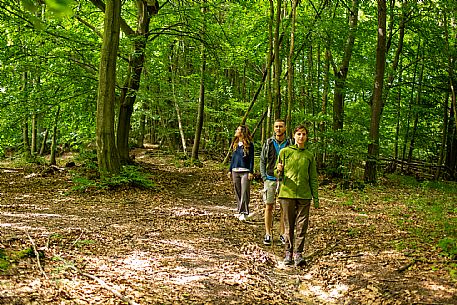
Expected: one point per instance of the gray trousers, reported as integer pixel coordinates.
(242, 187)
(296, 219)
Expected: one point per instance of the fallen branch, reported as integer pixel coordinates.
(37, 255)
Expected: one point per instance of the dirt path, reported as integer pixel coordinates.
(180, 244)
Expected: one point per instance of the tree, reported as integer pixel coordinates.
(377, 101)
(107, 154)
(201, 99)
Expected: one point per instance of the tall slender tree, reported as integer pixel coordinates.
(377, 101)
(107, 153)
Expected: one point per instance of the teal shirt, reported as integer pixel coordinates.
(299, 180)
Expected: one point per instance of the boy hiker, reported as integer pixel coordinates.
(268, 156)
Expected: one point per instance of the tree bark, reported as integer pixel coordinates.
(277, 64)
(132, 82)
(342, 73)
(33, 144)
(173, 71)
(443, 136)
(43, 142)
(52, 158)
(451, 65)
(416, 113)
(290, 68)
(377, 104)
(201, 103)
(268, 87)
(107, 153)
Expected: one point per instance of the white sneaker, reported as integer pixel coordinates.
(242, 217)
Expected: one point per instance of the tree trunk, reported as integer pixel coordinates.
(43, 142)
(290, 68)
(52, 158)
(342, 73)
(268, 121)
(277, 64)
(451, 65)
(33, 144)
(443, 137)
(451, 147)
(201, 103)
(25, 138)
(377, 104)
(132, 83)
(416, 118)
(178, 111)
(409, 113)
(398, 118)
(325, 91)
(107, 154)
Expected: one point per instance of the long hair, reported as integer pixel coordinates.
(246, 139)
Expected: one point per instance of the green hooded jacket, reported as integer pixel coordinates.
(299, 180)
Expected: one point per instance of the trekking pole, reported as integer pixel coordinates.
(278, 178)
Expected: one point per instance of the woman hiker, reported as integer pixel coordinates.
(242, 169)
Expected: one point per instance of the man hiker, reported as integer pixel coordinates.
(268, 156)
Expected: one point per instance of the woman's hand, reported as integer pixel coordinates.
(250, 176)
(229, 175)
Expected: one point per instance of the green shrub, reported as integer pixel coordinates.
(130, 175)
(4, 261)
(448, 247)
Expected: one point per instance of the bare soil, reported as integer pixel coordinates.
(179, 243)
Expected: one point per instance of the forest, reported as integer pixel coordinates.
(115, 114)
(374, 80)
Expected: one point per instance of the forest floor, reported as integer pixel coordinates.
(180, 243)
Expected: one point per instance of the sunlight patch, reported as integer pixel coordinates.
(327, 295)
(190, 212)
(137, 261)
(22, 197)
(183, 280)
(29, 215)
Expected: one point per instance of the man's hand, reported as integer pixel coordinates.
(229, 175)
(279, 167)
(250, 176)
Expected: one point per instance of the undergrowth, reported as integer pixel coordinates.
(433, 204)
(130, 175)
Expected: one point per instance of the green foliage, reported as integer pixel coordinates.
(448, 247)
(192, 162)
(4, 261)
(60, 8)
(130, 176)
(28, 252)
(85, 242)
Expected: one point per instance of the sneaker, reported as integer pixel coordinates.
(299, 260)
(242, 217)
(282, 239)
(267, 240)
(288, 259)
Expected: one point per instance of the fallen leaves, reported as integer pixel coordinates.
(180, 244)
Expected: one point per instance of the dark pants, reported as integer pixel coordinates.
(242, 187)
(296, 219)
